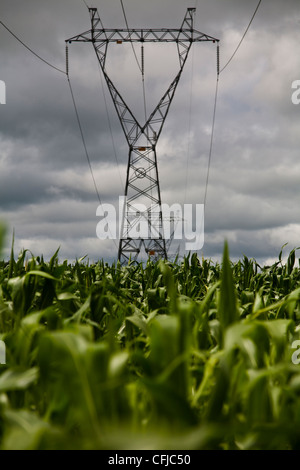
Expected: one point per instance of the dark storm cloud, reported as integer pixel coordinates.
(46, 189)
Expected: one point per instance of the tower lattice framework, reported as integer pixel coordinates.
(142, 221)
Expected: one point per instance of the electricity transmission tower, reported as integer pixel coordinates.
(142, 225)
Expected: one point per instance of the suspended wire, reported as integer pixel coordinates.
(109, 125)
(30, 50)
(243, 37)
(83, 139)
(79, 125)
(212, 138)
(189, 125)
(212, 132)
(107, 114)
(216, 95)
(143, 82)
(125, 17)
(212, 129)
(211, 141)
(140, 66)
(82, 135)
(213, 126)
(65, 72)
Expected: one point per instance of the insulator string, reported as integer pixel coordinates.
(143, 61)
(67, 60)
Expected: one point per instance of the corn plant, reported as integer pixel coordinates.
(183, 355)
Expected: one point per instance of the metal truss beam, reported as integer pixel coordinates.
(100, 35)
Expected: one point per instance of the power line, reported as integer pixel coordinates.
(140, 66)
(72, 94)
(110, 126)
(216, 95)
(73, 98)
(189, 126)
(142, 71)
(82, 136)
(211, 139)
(30, 50)
(125, 17)
(65, 72)
(83, 139)
(243, 37)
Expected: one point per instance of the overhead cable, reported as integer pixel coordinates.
(110, 125)
(125, 18)
(211, 139)
(30, 50)
(243, 37)
(140, 66)
(82, 135)
(83, 139)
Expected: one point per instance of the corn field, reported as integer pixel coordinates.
(186, 355)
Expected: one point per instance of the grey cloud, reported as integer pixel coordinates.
(46, 190)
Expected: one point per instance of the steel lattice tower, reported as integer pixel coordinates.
(142, 218)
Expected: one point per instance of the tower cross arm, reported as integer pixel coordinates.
(83, 37)
(186, 33)
(142, 35)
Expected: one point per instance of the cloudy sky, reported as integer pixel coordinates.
(47, 195)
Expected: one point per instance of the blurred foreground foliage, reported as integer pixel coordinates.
(189, 355)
